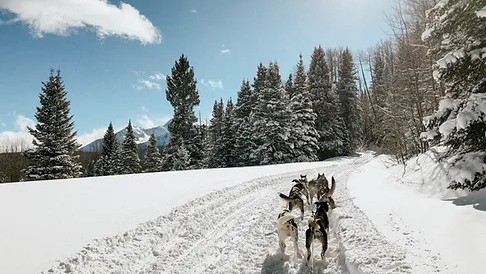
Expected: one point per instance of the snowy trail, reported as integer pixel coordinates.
(224, 232)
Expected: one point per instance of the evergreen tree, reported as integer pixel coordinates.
(229, 136)
(183, 96)
(182, 158)
(54, 139)
(244, 144)
(215, 145)
(348, 96)
(379, 95)
(110, 162)
(129, 153)
(259, 83)
(271, 122)
(153, 158)
(457, 34)
(304, 133)
(333, 139)
(289, 87)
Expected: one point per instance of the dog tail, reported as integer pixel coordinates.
(282, 220)
(285, 197)
(271, 232)
(333, 187)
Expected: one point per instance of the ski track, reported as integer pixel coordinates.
(224, 232)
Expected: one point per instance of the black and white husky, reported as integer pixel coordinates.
(318, 229)
(287, 227)
(324, 192)
(295, 197)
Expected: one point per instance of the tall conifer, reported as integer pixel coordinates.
(54, 137)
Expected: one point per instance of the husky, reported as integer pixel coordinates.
(324, 192)
(315, 185)
(318, 229)
(287, 227)
(295, 197)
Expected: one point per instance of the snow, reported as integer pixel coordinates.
(441, 231)
(481, 13)
(389, 219)
(450, 58)
(54, 219)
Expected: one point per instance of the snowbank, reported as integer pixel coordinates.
(411, 207)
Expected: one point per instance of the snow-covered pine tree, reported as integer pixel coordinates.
(272, 119)
(182, 158)
(182, 94)
(110, 162)
(304, 135)
(215, 136)
(229, 136)
(129, 153)
(333, 139)
(244, 143)
(259, 83)
(456, 32)
(54, 139)
(378, 97)
(348, 96)
(289, 86)
(153, 158)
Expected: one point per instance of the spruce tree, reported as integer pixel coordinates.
(182, 94)
(229, 136)
(289, 87)
(215, 135)
(244, 144)
(379, 95)
(129, 153)
(153, 158)
(348, 96)
(303, 126)
(333, 139)
(272, 121)
(54, 139)
(110, 162)
(457, 34)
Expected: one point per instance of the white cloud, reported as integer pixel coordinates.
(23, 122)
(193, 11)
(62, 17)
(158, 77)
(89, 137)
(144, 109)
(225, 51)
(150, 85)
(150, 82)
(146, 121)
(212, 83)
(17, 140)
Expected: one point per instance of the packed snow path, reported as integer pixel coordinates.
(224, 232)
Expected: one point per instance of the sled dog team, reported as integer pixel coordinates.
(317, 190)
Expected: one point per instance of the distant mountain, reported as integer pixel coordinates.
(141, 137)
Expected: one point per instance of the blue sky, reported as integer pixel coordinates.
(114, 55)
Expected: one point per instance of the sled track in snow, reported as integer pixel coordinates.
(224, 232)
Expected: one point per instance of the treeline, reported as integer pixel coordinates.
(309, 117)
